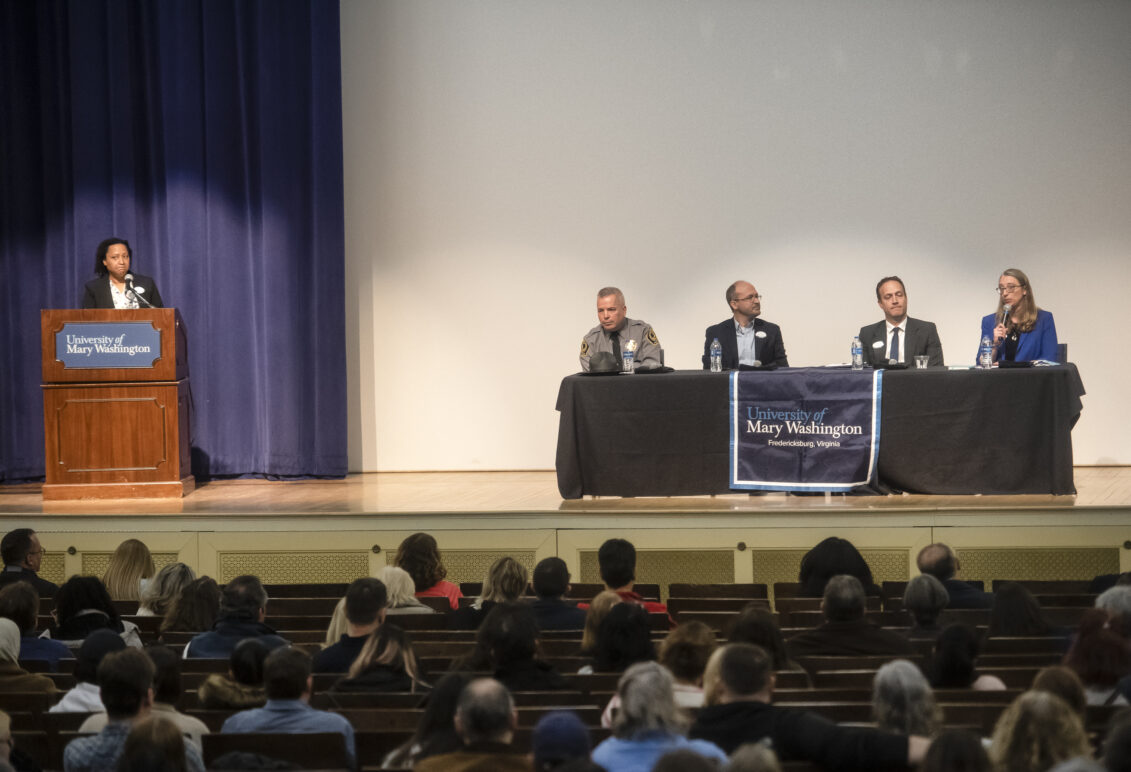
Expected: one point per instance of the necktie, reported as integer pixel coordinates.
(615, 338)
(894, 353)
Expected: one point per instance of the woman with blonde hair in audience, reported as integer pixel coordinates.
(14, 678)
(505, 582)
(1035, 732)
(129, 565)
(902, 700)
(195, 609)
(1064, 683)
(753, 757)
(160, 593)
(599, 608)
(402, 596)
(419, 555)
(386, 663)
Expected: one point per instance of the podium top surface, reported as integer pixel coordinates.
(112, 345)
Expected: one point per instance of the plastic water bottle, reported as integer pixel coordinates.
(716, 356)
(857, 353)
(986, 353)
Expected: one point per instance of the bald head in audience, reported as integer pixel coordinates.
(486, 713)
(938, 560)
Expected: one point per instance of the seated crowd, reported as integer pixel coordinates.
(679, 696)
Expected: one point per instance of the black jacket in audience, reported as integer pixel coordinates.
(963, 595)
(338, 657)
(557, 614)
(800, 735)
(530, 676)
(469, 617)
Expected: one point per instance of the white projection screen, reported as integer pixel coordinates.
(505, 159)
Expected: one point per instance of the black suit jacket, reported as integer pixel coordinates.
(97, 294)
(768, 349)
(921, 338)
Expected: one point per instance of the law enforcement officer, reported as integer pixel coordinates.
(615, 330)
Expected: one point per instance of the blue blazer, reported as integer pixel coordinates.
(768, 346)
(1038, 343)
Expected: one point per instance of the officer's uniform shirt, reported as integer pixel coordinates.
(648, 350)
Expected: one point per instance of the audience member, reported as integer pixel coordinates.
(684, 652)
(1015, 612)
(402, 593)
(195, 608)
(1100, 657)
(1064, 683)
(23, 556)
(755, 624)
(164, 589)
(20, 602)
(82, 606)
(739, 686)
(338, 625)
(127, 692)
(902, 700)
(551, 610)
(86, 697)
(286, 675)
(130, 566)
(1116, 601)
(559, 737)
(167, 693)
(154, 744)
(11, 757)
(924, 599)
(507, 645)
(1117, 744)
(420, 557)
(386, 663)
(243, 607)
(685, 760)
(954, 665)
(648, 724)
(1035, 732)
(365, 611)
(616, 560)
(624, 637)
(242, 688)
(14, 678)
(753, 757)
(832, 557)
(598, 609)
(485, 720)
(956, 750)
(845, 630)
(939, 561)
(505, 583)
(435, 732)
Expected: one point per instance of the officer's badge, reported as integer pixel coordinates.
(584, 347)
(652, 337)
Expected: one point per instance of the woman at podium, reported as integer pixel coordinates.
(116, 286)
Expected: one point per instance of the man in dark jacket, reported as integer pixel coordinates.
(551, 582)
(23, 555)
(243, 607)
(486, 721)
(365, 612)
(939, 561)
(846, 632)
(747, 340)
(739, 711)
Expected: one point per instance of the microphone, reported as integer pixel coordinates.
(136, 292)
(1004, 313)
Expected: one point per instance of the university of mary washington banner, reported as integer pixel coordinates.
(804, 429)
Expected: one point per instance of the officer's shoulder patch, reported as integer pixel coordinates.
(652, 337)
(584, 347)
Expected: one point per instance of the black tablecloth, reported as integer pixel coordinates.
(1001, 431)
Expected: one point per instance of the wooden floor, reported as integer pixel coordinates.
(535, 493)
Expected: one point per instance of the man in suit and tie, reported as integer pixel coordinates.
(898, 337)
(746, 339)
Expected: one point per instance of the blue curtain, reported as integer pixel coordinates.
(209, 134)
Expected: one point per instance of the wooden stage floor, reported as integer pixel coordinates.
(1106, 489)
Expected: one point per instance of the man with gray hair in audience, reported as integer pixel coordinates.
(846, 632)
(243, 607)
(485, 720)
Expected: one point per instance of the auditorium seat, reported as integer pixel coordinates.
(316, 750)
(749, 591)
(312, 590)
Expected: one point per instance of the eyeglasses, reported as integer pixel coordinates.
(1009, 288)
(748, 297)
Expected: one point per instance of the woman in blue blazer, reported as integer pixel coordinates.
(1021, 331)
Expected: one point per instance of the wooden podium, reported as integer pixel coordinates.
(115, 404)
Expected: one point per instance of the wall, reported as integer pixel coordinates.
(506, 159)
